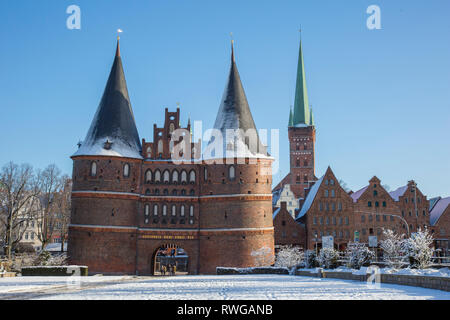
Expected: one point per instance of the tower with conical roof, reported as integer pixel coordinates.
(235, 121)
(236, 200)
(106, 182)
(302, 135)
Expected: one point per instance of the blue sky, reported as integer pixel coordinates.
(381, 98)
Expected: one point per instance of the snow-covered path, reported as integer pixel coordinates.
(245, 287)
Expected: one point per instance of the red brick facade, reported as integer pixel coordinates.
(287, 230)
(302, 161)
(218, 213)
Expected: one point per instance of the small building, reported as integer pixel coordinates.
(287, 230)
(286, 195)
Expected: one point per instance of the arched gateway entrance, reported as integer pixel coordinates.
(170, 259)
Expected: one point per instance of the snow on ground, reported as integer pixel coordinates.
(244, 287)
(445, 272)
(31, 284)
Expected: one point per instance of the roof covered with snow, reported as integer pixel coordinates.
(276, 212)
(433, 202)
(438, 210)
(113, 130)
(234, 120)
(398, 193)
(310, 198)
(356, 195)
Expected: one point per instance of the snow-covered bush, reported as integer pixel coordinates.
(418, 249)
(358, 255)
(392, 246)
(328, 258)
(289, 257)
(310, 259)
(263, 257)
(46, 259)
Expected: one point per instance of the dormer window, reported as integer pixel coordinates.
(107, 145)
(93, 169)
(126, 170)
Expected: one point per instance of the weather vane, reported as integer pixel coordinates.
(119, 31)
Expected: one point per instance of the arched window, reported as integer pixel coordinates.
(192, 176)
(191, 211)
(231, 172)
(183, 192)
(175, 176)
(155, 210)
(149, 152)
(93, 169)
(148, 176)
(333, 193)
(164, 213)
(147, 210)
(160, 147)
(192, 192)
(205, 173)
(147, 192)
(157, 176)
(166, 192)
(297, 163)
(171, 127)
(325, 193)
(174, 192)
(166, 176)
(305, 146)
(305, 163)
(126, 170)
(183, 176)
(174, 210)
(182, 211)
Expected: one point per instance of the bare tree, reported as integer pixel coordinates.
(63, 207)
(18, 195)
(50, 185)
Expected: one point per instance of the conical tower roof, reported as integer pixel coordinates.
(113, 130)
(302, 115)
(234, 113)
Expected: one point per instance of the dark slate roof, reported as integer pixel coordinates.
(114, 120)
(234, 113)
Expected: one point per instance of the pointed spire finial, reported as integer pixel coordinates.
(119, 31)
(232, 47)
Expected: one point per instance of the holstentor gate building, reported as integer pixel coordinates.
(130, 197)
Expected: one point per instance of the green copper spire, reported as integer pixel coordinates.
(291, 118)
(301, 106)
(311, 122)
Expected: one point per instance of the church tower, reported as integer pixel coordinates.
(302, 137)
